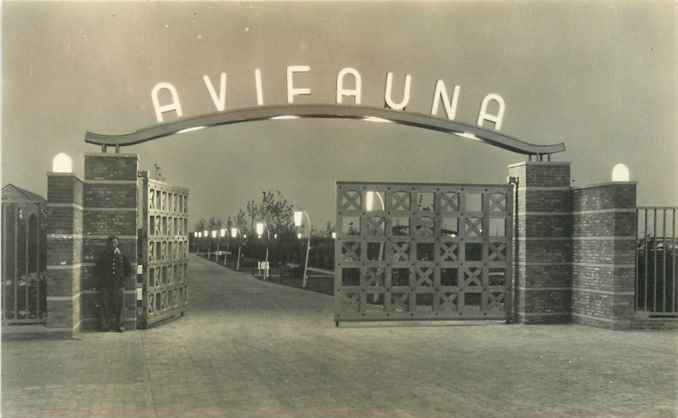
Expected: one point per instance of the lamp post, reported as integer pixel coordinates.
(234, 235)
(261, 226)
(222, 233)
(205, 236)
(298, 220)
(214, 237)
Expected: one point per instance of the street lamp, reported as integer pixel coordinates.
(234, 235)
(214, 236)
(205, 235)
(260, 227)
(222, 233)
(298, 218)
(369, 201)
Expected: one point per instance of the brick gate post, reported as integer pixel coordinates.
(604, 266)
(543, 237)
(64, 252)
(110, 200)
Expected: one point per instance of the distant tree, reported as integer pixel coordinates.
(200, 225)
(253, 213)
(241, 222)
(214, 224)
(328, 229)
(276, 211)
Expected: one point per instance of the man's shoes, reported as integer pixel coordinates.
(120, 329)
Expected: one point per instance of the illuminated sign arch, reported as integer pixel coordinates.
(328, 111)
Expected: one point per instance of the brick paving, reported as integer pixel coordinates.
(250, 348)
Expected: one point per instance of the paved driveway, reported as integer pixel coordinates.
(255, 349)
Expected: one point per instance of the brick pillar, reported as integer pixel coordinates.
(543, 229)
(64, 252)
(110, 201)
(604, 267)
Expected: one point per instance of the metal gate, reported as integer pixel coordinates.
(164, 291)
(423, 251)
(24, 270)
(656, 293)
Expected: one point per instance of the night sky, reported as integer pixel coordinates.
(600, 77)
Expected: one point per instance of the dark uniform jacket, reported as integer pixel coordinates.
(112, 270)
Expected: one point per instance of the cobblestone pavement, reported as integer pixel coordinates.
(255, 349)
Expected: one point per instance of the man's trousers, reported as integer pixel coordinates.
(113, 304)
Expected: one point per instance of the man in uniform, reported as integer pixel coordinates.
(112, 269)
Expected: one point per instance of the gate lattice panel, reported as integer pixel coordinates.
(165, 280)
(423, 251)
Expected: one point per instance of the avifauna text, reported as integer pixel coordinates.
(349, 91)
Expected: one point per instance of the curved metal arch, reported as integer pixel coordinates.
(330, 111)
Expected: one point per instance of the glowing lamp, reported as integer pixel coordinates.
(376, 119)
(260, 228)
(191, 129)
(62, 163)
(234, 232)
(620, 172)
(298, 218)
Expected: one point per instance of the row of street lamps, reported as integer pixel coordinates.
(260, 228)
(221, 234)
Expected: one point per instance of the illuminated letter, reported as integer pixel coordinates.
(175, 105)
(257, 81)
(291, 91)
(356, 92)
(441, 92)
(220, 100)
(387, 94)
(498, 118)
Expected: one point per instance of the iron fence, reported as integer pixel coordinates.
(656, 292)
(23, 264)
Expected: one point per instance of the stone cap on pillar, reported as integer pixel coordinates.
(553, 174)
(104, 166)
